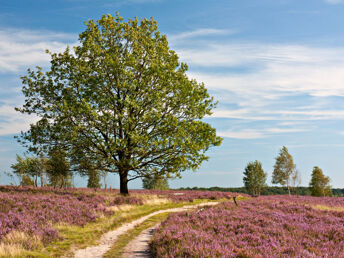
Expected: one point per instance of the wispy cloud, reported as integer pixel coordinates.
(270, 81)
(334, 1)
(259, 133)
(20, 49)
(242, 134)
(12, 122)
(198, 33)
(24, 48)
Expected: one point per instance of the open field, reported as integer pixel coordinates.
(46, 222)
(55, 222)
(274, 226)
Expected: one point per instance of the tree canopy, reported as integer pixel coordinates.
(284, 169)
(320, 184)
(122, 101)
(254, 178)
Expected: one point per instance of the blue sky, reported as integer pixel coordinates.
(275, 66)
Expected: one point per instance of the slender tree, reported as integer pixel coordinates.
(93, 179)
(295, 181)
(29, 170)
(58, 169)
(254, 178)
(284, 169)
(320, 184)
(122, 99)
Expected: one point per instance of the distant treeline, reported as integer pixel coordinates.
(270, 190)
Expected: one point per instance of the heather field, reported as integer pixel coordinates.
(43, 219)
(274, 226)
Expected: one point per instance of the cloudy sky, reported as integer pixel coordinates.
(275, 66)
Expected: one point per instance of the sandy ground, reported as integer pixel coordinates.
(139, 247)
(109, 238)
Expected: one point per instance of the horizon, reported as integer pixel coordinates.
(274, 66)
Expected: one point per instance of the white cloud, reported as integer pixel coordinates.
(12, 122)
(259, 133)
(276, 68)
(334, 1)
(21, 49)
(269, 81)
(242, 134)
(26, 48)
(198, 33)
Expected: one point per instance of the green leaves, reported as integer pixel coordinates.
(123, 100)
(254, 177)
(320, 184)
(284, 168)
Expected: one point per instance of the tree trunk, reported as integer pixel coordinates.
(123, 178)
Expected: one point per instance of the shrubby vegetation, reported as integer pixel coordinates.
(259, 227)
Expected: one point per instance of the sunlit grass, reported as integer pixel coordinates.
(327, 208)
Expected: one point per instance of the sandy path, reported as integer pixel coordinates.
(108, 239)
(139, 247)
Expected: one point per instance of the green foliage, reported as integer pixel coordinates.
(27, 181)
(284, 169)
(254, 177)
(122, 101)
(58, 169)
(29, 169)
(93, 179)
(155, 182)
(320, 184)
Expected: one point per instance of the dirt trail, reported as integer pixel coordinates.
(139, 248)
(109, 238)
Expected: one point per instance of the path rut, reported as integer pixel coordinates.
(109, 238)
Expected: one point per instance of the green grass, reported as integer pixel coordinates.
(118, 248)
(75, 237)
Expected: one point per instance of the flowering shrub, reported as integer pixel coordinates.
(34, 210)
(36, 213)
(275, 226)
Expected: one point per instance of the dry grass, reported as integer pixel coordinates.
(123, 207)
(327, 208)
(152, 199)
(148, 199)
(15, 243)
(10, 250)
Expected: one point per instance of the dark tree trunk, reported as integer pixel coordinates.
(123, 178)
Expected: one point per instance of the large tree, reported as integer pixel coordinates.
(122, 100)
(284, 169)
(320, 184)
(254, 178)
